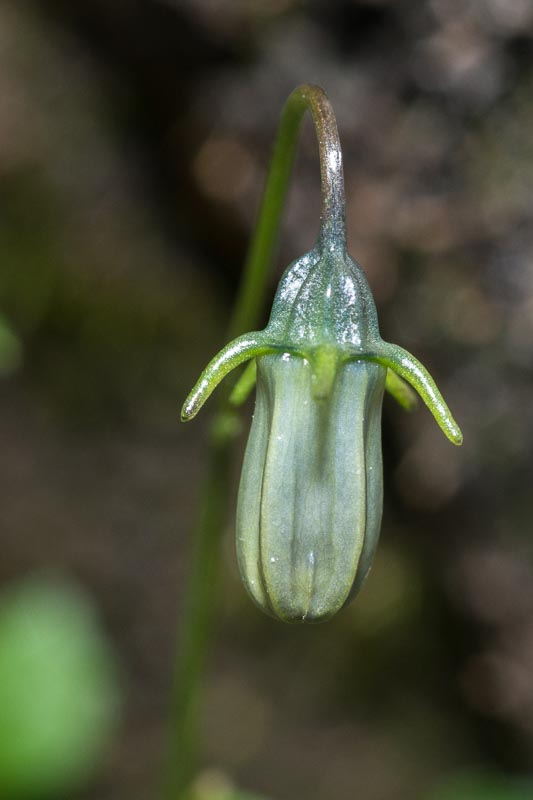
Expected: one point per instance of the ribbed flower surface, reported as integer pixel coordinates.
(324, 297)
(310, 497)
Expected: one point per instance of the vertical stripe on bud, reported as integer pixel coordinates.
(310, 498)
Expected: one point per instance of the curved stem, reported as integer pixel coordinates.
(333, 224)
(314, 99)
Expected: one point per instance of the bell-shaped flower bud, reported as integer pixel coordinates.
(310, 498)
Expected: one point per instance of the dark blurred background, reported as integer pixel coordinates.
(134, 141)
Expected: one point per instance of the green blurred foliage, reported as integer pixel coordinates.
(58, 691)
(97, 340)
(10, 348)
(481, 786)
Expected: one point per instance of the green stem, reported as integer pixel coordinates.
(200, 600)
(198, 613)
(249, 302)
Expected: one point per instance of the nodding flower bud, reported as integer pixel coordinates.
(310, 497)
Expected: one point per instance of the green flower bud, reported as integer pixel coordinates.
(310, 498)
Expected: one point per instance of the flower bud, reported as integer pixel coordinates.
(310, 497)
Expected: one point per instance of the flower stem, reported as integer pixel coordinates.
(200, 599)
(310, 98)
(198, 613)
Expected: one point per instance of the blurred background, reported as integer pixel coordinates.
(134, 141)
